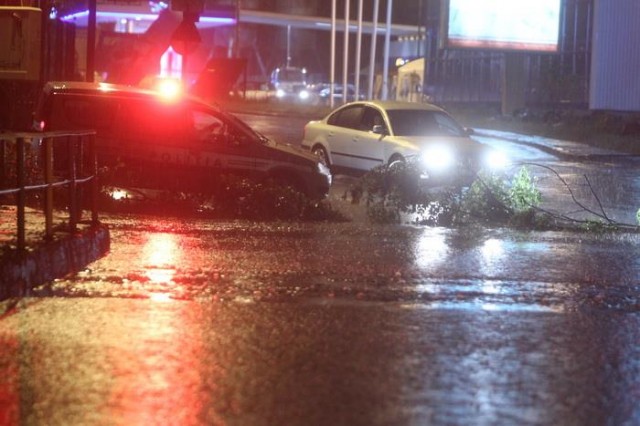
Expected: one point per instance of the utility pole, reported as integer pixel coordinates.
(91, 40)
(288, 46)
(345, 55)
(387, 43)
(372, 56)
(358, 50)
(236, 45)
(332, 72)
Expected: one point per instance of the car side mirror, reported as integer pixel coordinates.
(379, 129)
(469, 131)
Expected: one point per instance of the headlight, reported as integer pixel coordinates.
(323, 169)
(118, 194)
(304, 95)
(438, 158)
(280, 93)
(496, 160)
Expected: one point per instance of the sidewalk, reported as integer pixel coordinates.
(43, 261)
(560, 148)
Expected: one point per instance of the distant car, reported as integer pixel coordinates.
(325, 93)
(290, 83)
(360, 136)
(168, 140)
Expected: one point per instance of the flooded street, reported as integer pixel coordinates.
(189, 321)
(136, 361)
(479, 268)
(199, 322)
(576, 181)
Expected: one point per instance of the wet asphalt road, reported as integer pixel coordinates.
(191, 322)
(576, 181)
(194, 322)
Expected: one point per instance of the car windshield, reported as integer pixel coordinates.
(292, 75)
(245, 127)
(408, 122)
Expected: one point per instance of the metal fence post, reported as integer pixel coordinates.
(94, 185)
(20, 195)
(3, 163)
(48, 191)
(76, 155)
(73, 214)
(79, 152)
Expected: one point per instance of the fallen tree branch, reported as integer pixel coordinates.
(573, 197)
(604, 213)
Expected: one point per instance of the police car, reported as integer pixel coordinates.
(166, 139)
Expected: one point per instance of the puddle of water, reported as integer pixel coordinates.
(447, 305)
(479, 305)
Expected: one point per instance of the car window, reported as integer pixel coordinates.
(448, 126)
(148, 120)
(423, 123)
(218, 128)
(349, 117)
(207, 126)
(93, 113)
(371, 117)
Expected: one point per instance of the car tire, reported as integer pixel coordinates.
(321, 153)
(396, 161)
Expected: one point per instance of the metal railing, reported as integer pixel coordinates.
(73, 166)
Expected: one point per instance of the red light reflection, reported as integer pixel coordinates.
(160, 254)
(157, 374)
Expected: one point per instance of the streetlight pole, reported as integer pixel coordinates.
(332, 71)
(236, 44)
(358, 50)
(91, 41)
(372, 56)
(345, 53)
(387, 42)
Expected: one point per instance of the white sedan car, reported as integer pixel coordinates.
(359, 136)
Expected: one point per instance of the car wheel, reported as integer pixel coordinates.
(396, 161)
(320, 152)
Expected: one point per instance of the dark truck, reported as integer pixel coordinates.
(148, 139)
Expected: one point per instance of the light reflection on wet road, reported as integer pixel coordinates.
(189, 321)
(207, 322)
(200, 260)
(599, 179)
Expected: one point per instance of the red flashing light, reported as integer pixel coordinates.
(169, 89)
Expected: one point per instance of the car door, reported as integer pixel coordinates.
(151, 144)
(343, 132)
(223, 147)
(367, 148)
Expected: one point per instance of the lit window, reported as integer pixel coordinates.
(171, 64)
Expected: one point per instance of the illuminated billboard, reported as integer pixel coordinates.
(530, 25)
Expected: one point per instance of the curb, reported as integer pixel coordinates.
(19, 273)
(555, 146)
(518, 139)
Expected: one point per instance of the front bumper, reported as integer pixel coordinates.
(319, 183)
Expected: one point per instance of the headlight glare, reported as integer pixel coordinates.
(496, 160)
(438, 158)
(303, 95)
